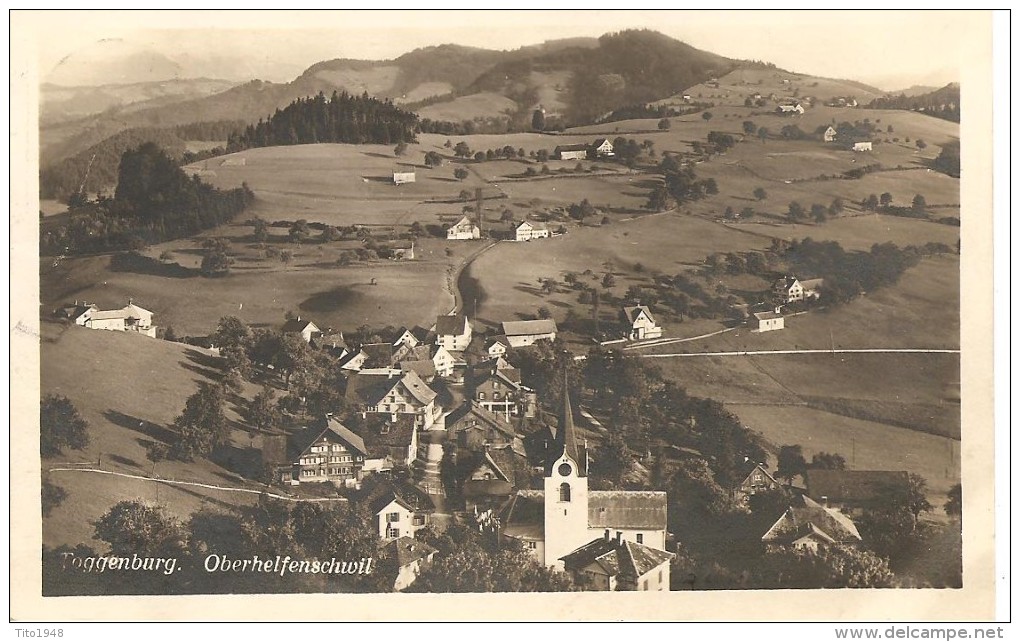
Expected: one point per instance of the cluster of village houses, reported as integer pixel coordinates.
(521, 473)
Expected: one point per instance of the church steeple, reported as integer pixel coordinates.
(567, 434)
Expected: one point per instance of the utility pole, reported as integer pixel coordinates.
(478, 207)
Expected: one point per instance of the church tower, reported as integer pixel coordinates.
(566, 490)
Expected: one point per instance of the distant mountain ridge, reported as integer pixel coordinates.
(585, 74)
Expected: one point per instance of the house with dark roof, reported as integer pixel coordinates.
(410, 337)
(565, 516)
(453, 332)
(611, 563)
(497, 473)
(407, 558)
(577, 151)
(757, 480)
(471, 427)
(301, 327)
(603, 148)
(788, 289)
(326, 451)
(394, 392)
(529, 230)
(525, 333)
(806, 524)
(463, 230)
(639, 323)
(854, 491)
(500, 390)
(496, 346)
(400, 509)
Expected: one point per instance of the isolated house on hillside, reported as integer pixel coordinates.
(571, 152)
(603, 148)
(768, 321)
(829, 135)
(787, 289)
(301, 327)
(639, 323)
(130, 318)
(453, 332)
(463, 230)
(526, 333)
(806, 524)
(862, 146)
(400, 178)
(529, 230)
(790, 110)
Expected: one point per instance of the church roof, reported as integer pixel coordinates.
(627, 509)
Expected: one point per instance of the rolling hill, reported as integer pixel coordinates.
(614, 70)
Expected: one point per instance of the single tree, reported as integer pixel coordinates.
(791, 463)
(760, 193)
(299, 231)
(134, 527)
(763, 133)
(750, 127)
(795, 211)
(52, 496)
(919, 205)
(707, 115)
(461, 150)
(216, 263)
(836, 207)
(828, 461)
(262, 413)
(885, 199)
(664, 124)
(400, 149)
(61, 426)
(202, 425)
(920, 143)
(954, 501)
(871, 203)
(460, 173)
(819, 213)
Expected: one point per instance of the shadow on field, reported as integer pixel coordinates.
(378, 179)
(123, 461)
(147, 428)
(138, 264)
(212, 375)
(204, 360)
(245, 462)
(527, 289)
(329, 300)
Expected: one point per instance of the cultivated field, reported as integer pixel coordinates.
(260, 290)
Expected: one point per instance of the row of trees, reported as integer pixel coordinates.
(341, 118)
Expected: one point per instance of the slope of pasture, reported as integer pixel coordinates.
(261, 290)
(506, 278)
(866, 445)
(551, 88)
(481, 105)
(129, 388)
(423, 91)
(737, 85)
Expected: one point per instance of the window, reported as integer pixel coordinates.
(481, 395)
(419, 520)
(392, 532)
(640, 538)
(660, 576)
(564, 492)
(392, 517)
(532, 545)
(495, 396)
(644, 585)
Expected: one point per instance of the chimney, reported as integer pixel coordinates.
(607, 535)
(825, 500)
(619, 537)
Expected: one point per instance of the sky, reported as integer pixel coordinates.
(888, 49)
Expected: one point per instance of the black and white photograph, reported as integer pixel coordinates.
(444, 302)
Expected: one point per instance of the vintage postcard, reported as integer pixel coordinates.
(695, 306)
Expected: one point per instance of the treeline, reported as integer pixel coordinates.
(942, 103)
(342, 118)
(61, 180)
(850, 274)
(155, 201)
